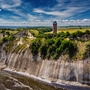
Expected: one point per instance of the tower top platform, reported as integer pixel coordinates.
(55, 22)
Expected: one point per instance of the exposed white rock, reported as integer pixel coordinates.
(51, 70)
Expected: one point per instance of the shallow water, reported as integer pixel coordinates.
(17, 82)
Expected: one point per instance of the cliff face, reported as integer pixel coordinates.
(58, 71)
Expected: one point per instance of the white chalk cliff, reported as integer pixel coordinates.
(55, 71)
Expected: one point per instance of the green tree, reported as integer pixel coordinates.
(67, 34)
(57, 53)
(50, 42)
(87, 32)
(79, 33)
(35, 46)
(68, 47)
(51, 50)
(58, 41)
(8, 33)
(43, 51)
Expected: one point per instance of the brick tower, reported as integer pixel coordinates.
(54, 27)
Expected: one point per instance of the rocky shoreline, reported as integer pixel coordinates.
(10, 80)
(60, 86)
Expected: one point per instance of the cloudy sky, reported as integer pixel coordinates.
(44, 12)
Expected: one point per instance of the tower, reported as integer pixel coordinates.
(54, 27)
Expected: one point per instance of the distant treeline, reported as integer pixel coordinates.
(6, 29)
(73, 26)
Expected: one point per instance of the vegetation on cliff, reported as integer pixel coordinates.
(46, 44)
(52, 46)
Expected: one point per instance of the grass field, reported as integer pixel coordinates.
(10, 31)
(71, 30)
(34, 31)
(64, 29)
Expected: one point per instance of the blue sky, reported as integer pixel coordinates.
(44, 12)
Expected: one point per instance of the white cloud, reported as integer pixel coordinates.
(37, 22)
(62, 14)
(7, 4)
(11, 5)
(38, 10)
(15, 17)
(64, 10)
(88, 20)
(55, 13)
(31, 17)
(68, 12)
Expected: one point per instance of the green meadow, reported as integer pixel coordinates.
(71, 29)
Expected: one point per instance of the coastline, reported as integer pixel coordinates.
(64, 85)
(29, 79)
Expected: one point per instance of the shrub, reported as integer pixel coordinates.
(86, 54)
(51, 50)
(87, 32)
(58, 42)
(35, 46)
(43, 50)
(68, 47)
(8, 33)
(49, 42)
(79, 33)
(5, 39)
(57, 53)
(67, 34)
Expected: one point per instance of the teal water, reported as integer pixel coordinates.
(17, 82)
